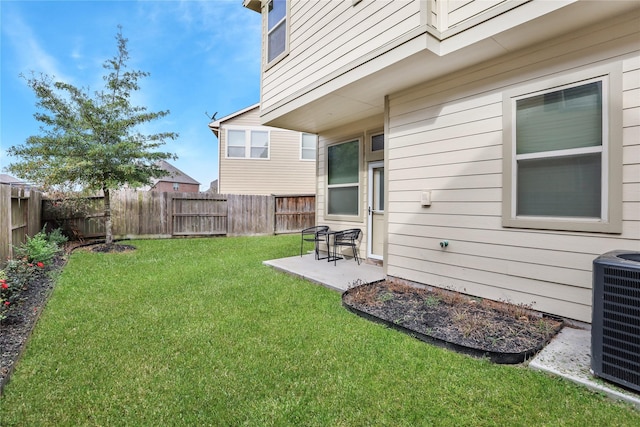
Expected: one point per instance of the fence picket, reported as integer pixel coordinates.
(157, 214)
(20, 216)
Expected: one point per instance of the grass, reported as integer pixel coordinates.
(199, 332)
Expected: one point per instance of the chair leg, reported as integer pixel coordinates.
(355, 255)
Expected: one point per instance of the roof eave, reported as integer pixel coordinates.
(255, 5)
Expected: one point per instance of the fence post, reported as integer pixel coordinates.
(169, 210)
(5, 223)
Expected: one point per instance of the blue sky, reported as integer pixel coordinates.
(203, 56)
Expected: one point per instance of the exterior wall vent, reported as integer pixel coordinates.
(615, 329)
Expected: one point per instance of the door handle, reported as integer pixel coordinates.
(369, 210)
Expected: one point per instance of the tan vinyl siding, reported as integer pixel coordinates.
(446, 137)
(283, 173)
(328, 35)
(359, 130)
(463, 10)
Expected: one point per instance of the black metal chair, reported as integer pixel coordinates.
(346, 238)
(315, 235)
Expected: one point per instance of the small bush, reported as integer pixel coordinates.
(57, 237)
(4, 286)
(31, 259)
(15, 278)
(37, 249)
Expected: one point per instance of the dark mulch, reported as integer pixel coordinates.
(455, 318)
(112, 247)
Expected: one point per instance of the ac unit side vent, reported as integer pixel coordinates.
(616, 318)
(614, 328)
(620, 350)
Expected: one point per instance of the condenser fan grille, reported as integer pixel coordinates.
(616, 321)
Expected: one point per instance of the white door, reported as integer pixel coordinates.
(375, 241)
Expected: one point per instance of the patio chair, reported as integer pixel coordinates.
(315, 235)
(346, 238)
(77, 233)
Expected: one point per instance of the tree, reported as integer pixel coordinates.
(92, 141)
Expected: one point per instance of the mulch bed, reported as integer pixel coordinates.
(111, 248)
(505, 333)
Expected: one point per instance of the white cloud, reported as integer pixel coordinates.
(29, 54)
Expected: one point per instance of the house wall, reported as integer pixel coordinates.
(361, 130)
(459, 11)
(166, 186)
(283, 173)
(328, 35)
(446, 136)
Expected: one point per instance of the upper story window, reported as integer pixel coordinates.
(559, 170)
(248, 144)
(176, 186)
(343, 178)
(276, 29)
(308, 146)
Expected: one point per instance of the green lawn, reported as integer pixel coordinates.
(199, 332)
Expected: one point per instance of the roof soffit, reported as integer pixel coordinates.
(358, 91)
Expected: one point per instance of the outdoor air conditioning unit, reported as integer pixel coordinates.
(615, 329)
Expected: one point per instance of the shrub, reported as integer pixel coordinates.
(4, 286)
(37, 249)
(15, 278)
(57, 237)
(29, 265)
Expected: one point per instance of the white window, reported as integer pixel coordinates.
(276, 29)
(558, 159)
(308, 146)
(251, 144)
(259, 141)
(176, 186)
(343, 178)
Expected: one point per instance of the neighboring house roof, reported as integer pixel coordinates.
(8, 179)
(175, 175)
(215, 125)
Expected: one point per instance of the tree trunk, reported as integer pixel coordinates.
(107, 217)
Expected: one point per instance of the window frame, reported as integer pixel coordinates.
(267, 32)
(610, 220)
(248, 131)
(377, 154)
(302, 148)
(358, 184)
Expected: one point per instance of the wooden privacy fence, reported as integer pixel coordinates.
(156, 214)
(294, 213)
(197, 215)
(20, 213)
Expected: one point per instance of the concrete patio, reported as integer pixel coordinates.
(567, 355)
(338, 277)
